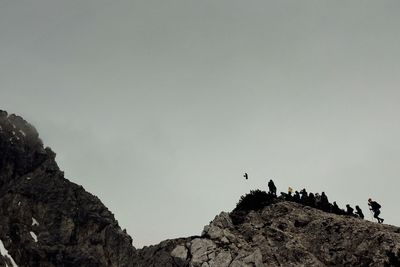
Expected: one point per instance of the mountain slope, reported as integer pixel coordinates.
(282, 234)
(46, 220)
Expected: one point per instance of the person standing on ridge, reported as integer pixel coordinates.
(310, 201)
(304, 196)
(336, 209)
(272, 187)
(349, 210)
(296, 197)
(290, 191)
(325, 205)
(374, 206)
(289, 195)
(317, 200)
(359, 212)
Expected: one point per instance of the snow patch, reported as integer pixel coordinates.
(22, 132)
(33, 235)
(34, 222)
(28, 178)
(13, 132)
(4, 253)
(19, 203)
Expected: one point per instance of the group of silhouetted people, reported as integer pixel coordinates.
(320, 201)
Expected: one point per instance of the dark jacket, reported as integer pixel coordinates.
(374, 205)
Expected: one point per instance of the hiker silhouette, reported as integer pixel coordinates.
(375, 207)
(311, 200)
(289, 195)
(359, 212)
(272, 187)
(349, 210)
(325, 205)
(296, 197)
(304, 196)
(336, 209)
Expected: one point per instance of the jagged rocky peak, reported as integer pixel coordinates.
(46, 220)
(20, 146)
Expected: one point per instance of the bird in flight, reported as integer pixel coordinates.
(246, 175)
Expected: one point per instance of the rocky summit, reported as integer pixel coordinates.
(281, 234)
(46, 220)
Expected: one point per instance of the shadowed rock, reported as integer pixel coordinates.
(285, 234)
(46, 220)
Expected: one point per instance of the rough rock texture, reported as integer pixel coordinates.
(282, 234)
(45, 220)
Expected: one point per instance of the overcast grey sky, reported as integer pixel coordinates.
(158, 107)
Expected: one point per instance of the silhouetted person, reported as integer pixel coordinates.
(329, 208)
(336, 209)
(272, 187)
(349, 210)
(296, 197)
(289, 195)
(359, 212)
(284, 196)
(374, 206)
(290, 190)
(304, 196)
(246, 176)
(325, 205)
(317, 201)
(311, 200)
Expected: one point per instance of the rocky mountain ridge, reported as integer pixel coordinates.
(282, 233)
(46, 220)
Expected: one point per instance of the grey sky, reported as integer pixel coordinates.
(158, 107)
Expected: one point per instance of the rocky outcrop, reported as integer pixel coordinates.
(46, 220)
(284, 234)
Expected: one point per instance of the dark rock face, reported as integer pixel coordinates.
(46, 220)
(282, 234)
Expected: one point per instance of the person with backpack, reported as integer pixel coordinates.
(349, 210)
(272, 187)
(311, 200)
(304, 196)
(359, 212)
(289, 195)
(325, 205)
(296, 197)
(336, 209)
(375, 207)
